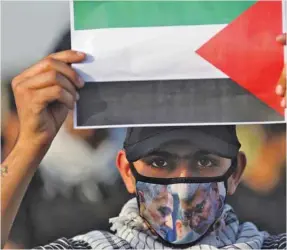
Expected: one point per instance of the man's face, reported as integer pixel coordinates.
(198, 210)
(158, 209)
(181, 159)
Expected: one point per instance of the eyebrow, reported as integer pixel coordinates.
(164, 153)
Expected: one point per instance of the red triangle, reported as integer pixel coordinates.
(246, 51)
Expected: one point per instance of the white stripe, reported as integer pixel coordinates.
(156, 53)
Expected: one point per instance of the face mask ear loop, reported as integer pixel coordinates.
(230, 172)
(135, 173)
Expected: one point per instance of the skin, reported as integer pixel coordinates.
(151, 210)
(44, 93)
(179, 157)
(11, 127)
(200, 196)
(200, 220)
(281, 86)
(182, 171)
(181, 229)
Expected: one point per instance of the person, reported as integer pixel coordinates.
(76, 175)
(199, 207)
(156, 205)
(157, 155)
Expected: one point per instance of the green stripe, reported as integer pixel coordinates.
(116, 14)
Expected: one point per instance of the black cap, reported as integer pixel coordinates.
(219, 139)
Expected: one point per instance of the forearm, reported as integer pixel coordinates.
(16, 173)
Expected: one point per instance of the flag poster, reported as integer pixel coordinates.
(178, 62)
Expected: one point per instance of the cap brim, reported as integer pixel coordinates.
(195, 137)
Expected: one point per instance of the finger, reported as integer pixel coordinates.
(66, 70)
(282, 39)
(283, 102)
(48, 95)
(51, 62)
(68, 56)
(47, 79)
(281, 86)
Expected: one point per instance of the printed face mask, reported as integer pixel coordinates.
(181, 210)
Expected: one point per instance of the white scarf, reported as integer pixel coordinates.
(229, 235)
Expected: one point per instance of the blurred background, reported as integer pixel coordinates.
(76, 188)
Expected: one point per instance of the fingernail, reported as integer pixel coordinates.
(279, 90)
(81, 81)
(77, 96)
(281, 38)
(283, 103)
(80, 53)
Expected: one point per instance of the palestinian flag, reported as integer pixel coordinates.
(182, 40)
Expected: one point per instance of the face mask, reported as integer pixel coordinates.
(181, 210)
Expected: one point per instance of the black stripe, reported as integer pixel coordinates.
(66, 243)
(111, 241)
(153, 102)
(248, 245)
(247, 237)
(247, 230)
(226, 235)
(138, 238)
(154, 244)
(146, 239)
(124, 232)
(100, 242)
(233, 231)
(109, 246)
(230, 220)
(282, 245)
(224, 243)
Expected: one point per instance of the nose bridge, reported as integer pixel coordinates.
(183, 169)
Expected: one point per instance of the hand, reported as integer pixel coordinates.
(281, 86)
(44, 93)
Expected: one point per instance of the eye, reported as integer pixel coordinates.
(205, 162)
(165, 211)
(199, 207)
(187, 214)
(159, 163)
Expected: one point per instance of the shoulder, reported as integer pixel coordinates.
(91, 240)
(275, 242)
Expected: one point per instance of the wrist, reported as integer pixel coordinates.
(31, 150)
(34, 144)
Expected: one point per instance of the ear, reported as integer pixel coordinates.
(123, 166)
(235, 178)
